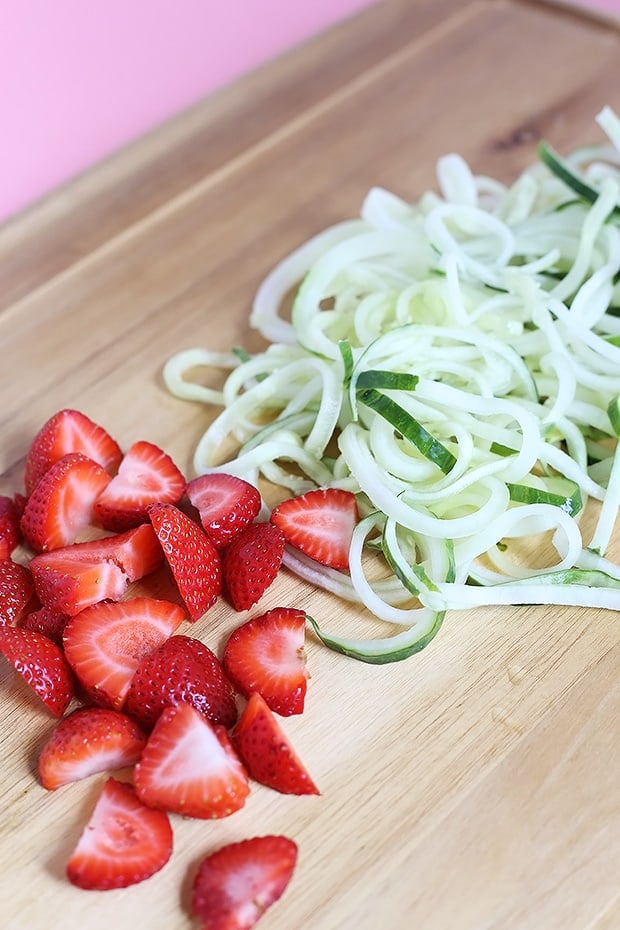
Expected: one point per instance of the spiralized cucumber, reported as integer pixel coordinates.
(454, 362)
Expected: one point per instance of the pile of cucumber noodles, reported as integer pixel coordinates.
(456, 364)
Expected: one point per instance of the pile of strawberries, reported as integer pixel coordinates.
(161, 703)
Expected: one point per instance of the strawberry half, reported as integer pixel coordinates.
(10, 532)
(225, 503)
(90, 740)
(146, 475)
(267, 752)
(320, 524)
(192, 557)
(189, 767)
(46, 620)
(266, 654)
(61, 505)
(123, 843)
(236, 884)
(69, 431)
(182, 669)
(16, 591)
(41, 664)
(105, 643)
(251, 562)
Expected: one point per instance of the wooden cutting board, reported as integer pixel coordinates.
(476, 785)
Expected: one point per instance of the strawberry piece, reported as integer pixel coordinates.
(266, 654)
(236, 884)
(189, 767)
(146, 475)
(181, 669)
(90, 740)
(46, 620)
(225, 503)
(16, 591)
(320, 524)
(61, 505)
(123, 843)
(105, 643)
(194, 560)
(10, 532)
(251, 563)
(69, 431)
(41, 664)
(267, 752)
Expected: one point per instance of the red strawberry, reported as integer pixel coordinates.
(266, 654)
(194, 560)
(90, 740)
(46, 620)
(105, 643)
(16, 591)
(123, 843)
(320, 523)
(69, 431)
(10, 533)
(236, 884)
(61, 505)
(41, 664)
(251, 562)
(225, 503)
(181, 669)
(145, 475)
(267, 752)
(189, 767)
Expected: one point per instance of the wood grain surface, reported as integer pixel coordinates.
(475, 786)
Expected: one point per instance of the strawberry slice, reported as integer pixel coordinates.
(146, 475)
(61, 505)
(123, 843)
(194, 560)
(16, 591)
(236, 884)
(90, 740)
(266, 654)
(189, 767)
(267, 752)
(46, 620)
(251, 562)
(10, 532)
(69, 431)
(320, 524)
(41, 664)
(225, 503)
(181, 669)
(105, 643)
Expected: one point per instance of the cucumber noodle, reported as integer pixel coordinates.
(504, 303)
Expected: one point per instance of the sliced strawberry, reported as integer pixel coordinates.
(194, 560)
(146, 475)
(266, 654)
(319, 523)
(236, 884)
(181, 669)
(189, 767)
(69, 431)
(41, 664)
(46, 620)
(123, 843)
(67, 585)
(225, 503)
(267, 752)
(10, 532)
(16, 591)
(90, 740)
(251, 563)
(105, 643)
(61, 505)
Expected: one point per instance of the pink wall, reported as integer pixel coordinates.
(80, 78)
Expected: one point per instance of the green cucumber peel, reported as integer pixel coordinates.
(382, 651)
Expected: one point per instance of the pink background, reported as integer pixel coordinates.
(80, 78)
